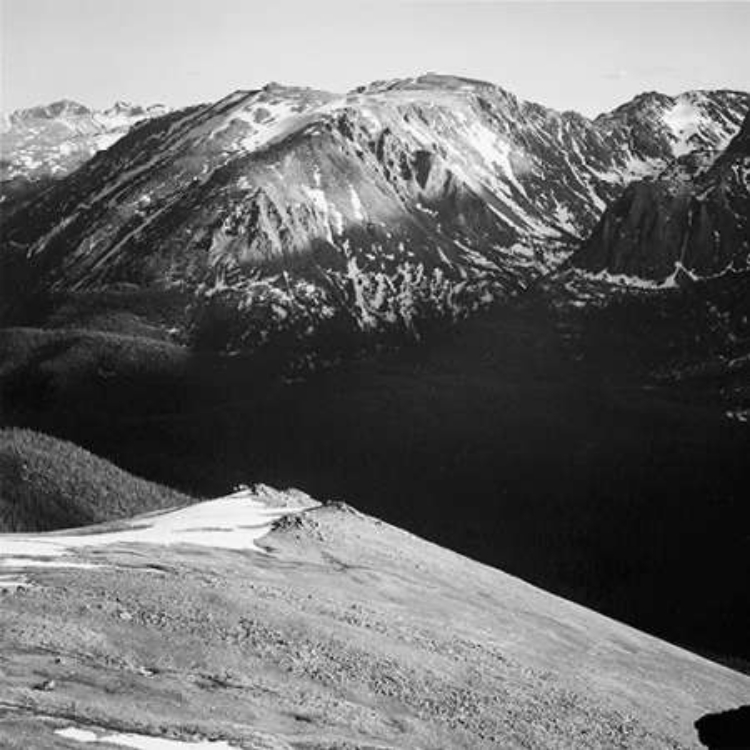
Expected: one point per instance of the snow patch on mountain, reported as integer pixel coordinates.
(235, 521)
(683, 119)
(139, 741)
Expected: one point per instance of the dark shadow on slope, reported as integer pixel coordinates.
(48, 484)
(728, 730)
(495, 440)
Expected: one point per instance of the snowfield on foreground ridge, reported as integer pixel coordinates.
(235, 521)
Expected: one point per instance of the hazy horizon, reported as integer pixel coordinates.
(588, 57)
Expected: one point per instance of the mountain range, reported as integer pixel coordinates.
(294, 213)
(44, 143)
(521, 334)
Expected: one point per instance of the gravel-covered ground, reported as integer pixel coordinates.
(344, 632)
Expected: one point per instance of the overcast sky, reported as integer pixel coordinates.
(585, 56)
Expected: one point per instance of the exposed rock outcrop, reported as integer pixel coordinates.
(694, 219)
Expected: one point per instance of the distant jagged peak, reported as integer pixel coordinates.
(123, 106)
(704, 95)
(69, 109)
(125, 114)
(51, 140)
(648, 103)
(128, 109)
(640, 105)
(693, 120)
(59, 108)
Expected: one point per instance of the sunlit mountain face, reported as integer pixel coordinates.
(294, 213)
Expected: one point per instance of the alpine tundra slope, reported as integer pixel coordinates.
(265, 620)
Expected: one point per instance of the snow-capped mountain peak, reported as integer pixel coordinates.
(699, 119)
(58, 109)
(50, 141)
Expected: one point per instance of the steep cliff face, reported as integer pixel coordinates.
(694, 218)
(286, 209)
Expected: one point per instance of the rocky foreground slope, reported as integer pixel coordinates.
(292, 211)
(333, 630)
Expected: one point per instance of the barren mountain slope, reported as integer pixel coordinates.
(341, 632)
